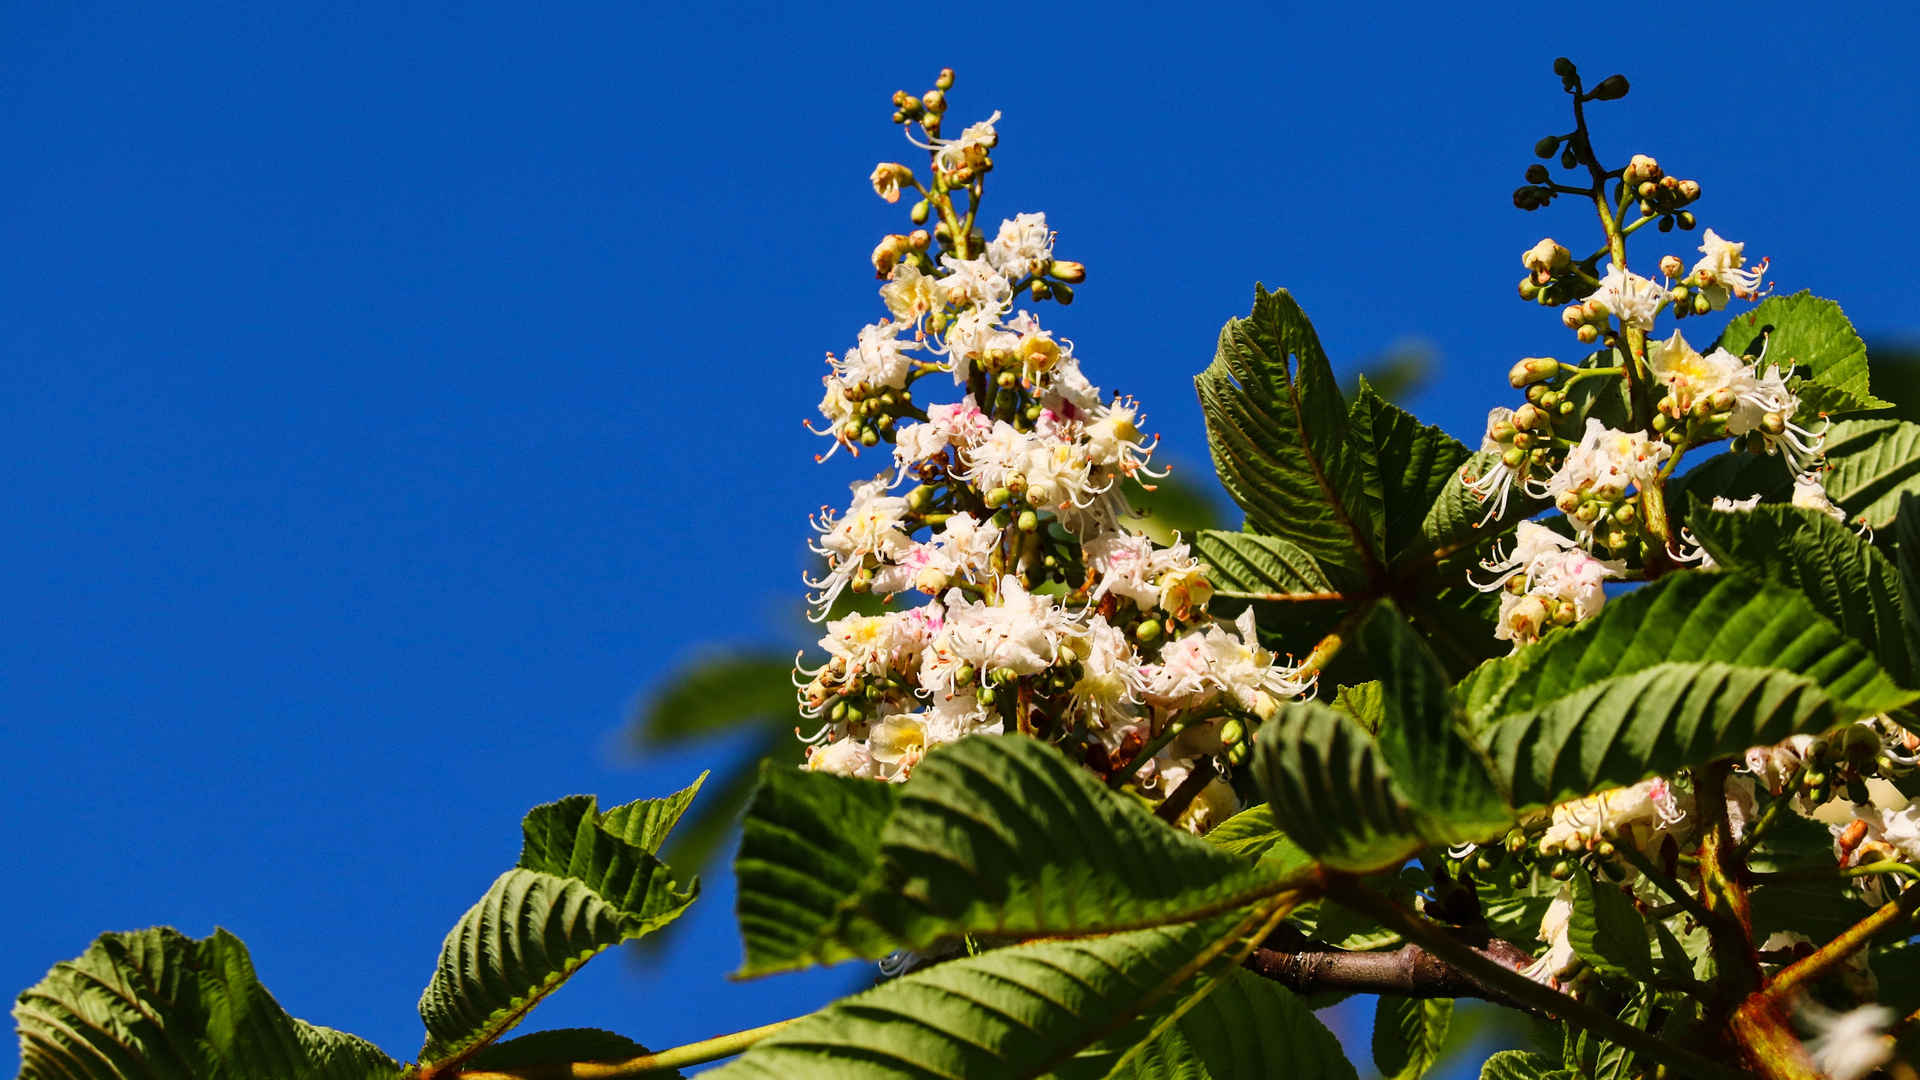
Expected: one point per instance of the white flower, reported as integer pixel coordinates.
(1496, 483)
(951, 154)
(1559, 958)
(1850, 1045)
(1606, 463)
(910, 294)
(1720, 271)
(976, 282)
(1203, 664)
(1810, 494)
(1023, 246)
(1753, 402)
(848, 757)
(1108, 692)
(1651, 806)
(869, 528)
(896, 744)
(1022, 633)
(1631, 297)
(879, 360)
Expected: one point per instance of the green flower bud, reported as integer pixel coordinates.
(1537, 173)
(838, 712)
(1686, 219)
(1063, 270)
(1587, 334)
(1528, 290)
(1546, 148)
(1531, 370)
(1063, 293)
(1147, 632)
(985, 697)
(1564, 68)
(965, 675)
(920, 212)
(998, 497)
(1028, 521)
(1042, 290)
(1232, 730)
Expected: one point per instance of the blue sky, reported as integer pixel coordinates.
(392, 392)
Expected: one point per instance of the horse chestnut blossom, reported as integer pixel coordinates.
(1047, 614)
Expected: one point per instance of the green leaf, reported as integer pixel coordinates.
(560, 1046)
(1847, 579)
(1020, 1011)
(1262, 567)
(1452, 527)
(1250, 834)
(1278, 431)
(1414, 463)
(714, 695)
(808, 841)
(1329, 790)
(1365, 702)
(1422, 736)
(1693, 667)
(586, 880)
(1606, 930)
(1807, 333)
(1408, 1034)
(1237, 1032)
(1521, 1065)
(1871, 463)
(1005, 837)
(156, 1003)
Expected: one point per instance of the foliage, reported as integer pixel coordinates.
(1116, 798)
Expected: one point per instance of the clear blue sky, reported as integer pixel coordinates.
(393, 391)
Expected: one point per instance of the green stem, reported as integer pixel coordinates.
(1688, 902)
(1522, 990)
(645, 1065)
(1773, 811)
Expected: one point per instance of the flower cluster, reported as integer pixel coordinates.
(1004, 513)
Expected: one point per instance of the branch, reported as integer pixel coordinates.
(1308, 967)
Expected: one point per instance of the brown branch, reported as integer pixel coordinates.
(1306, 967)
(1182, 797)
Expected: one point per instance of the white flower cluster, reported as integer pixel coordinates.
(1547, 580)
(1046, 614)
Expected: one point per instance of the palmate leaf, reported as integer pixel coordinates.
(1278, 431)
(1693, 667)
(560, 1046)
(715, 695)
(156, 1003)
(1812, 335)
(1521, 1065)
(1239, 1031)
(1408, 1034)
(1021, 1011)
(993, 835)
(1871, 463)
(586, 880)
(1847, 579)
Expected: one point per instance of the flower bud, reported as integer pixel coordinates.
(1670, 265)
(1611, 88)
(945, 79)
(1042, 291)
(1545, 259)
(1686, 219)
(1147, 632)
(1513, 456)
(1528, 416)
(1232, 730)
(1688, 190)
(1528, 290)
(1564, 68)
(1701, 305)
(998, 497)
(1569, 159)
(919, 497)
(1587, 334)
(1028, 521)
(887, 178)
(1546, 147)
(1641, 168)
(935, 101)
(1537, 173)
(1567, 502)
(1773, 423)
(1573, 316)
(1062, 293)
(1064, 270)
(1531, 370)
(920, 212)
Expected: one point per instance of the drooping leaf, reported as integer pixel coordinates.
(1278, 431)
(1871, 463)
(1734, 618)
(586, 880)
(1408, 1034)
(1693, 667)
(714, 695)
(1845, 577)
(1423, 736)
(1413, 463)
(1329, 790)
(1020, 1011)
(1809, 334)
(807, 842)
(1237, 1032)
(1005, 837)
(560, 1046)
(1606, 930)
(156, 1003)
